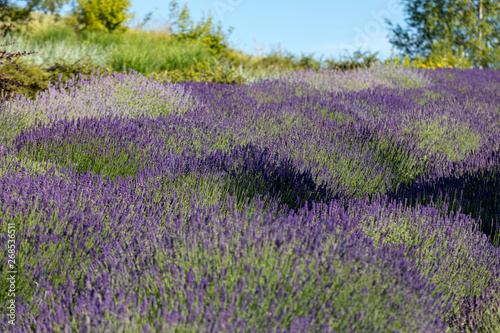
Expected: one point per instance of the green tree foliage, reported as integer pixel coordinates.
(182, 26)
(104, 15)
(460, 28)
(13, 13)
(21, 15)
(48, 6)
(10, 13)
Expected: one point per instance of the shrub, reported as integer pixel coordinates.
(279, 63)
(446, 59)
(11, 14)
(39, 22)
(204, 71)
(97, 96)
(5, 81)
(288, 61)
(35, 78)
(204, 31)
(107, 15)
(357, 60)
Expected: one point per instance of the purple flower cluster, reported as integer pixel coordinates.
(359, 79)
(120, 94)
(297, 204)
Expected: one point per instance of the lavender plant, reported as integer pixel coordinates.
(276, 206)
(120, 94)
(359, 79)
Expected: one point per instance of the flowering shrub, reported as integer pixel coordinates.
(434, 60)
(303, 203)
(360, 79)
(121, 94)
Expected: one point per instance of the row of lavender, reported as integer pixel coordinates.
(285, 205)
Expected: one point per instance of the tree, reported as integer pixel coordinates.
(106, 15)
(10, 13)
(179, 21)
(182, 26)
(467, 28)
(45, 6)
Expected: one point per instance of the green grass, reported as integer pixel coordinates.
(163, 53)
(50, 47)
(116, 49)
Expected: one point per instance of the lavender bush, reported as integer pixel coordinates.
(125, 94)
(304, 203)
(359, 79)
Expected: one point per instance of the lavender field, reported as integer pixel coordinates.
(317, 202)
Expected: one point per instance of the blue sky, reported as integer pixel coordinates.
(325, 28)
